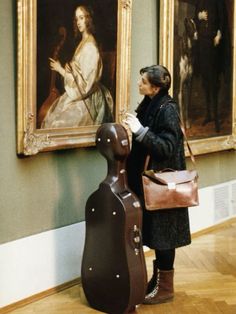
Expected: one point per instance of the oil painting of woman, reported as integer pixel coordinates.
(85, 101)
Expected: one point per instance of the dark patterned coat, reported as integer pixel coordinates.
(163, 229)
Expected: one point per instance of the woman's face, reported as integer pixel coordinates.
(146, 88)
(80, 20)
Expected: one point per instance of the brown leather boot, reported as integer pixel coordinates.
(152, 282)
(164, 288)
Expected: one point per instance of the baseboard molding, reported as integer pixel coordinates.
(39, 296)
(214, 228)
(208, 230)
(216, 204)
(77, 281)
(40, 262)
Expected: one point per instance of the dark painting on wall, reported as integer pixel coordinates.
(203, 42)
(196, 43)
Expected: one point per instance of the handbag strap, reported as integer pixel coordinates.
(186, 140)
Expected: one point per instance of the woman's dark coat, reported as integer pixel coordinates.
(163, 229)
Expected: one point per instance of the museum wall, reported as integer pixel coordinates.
(49, 190)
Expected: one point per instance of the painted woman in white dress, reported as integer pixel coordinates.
(85, 100)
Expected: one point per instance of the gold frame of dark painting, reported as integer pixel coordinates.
(166, 57)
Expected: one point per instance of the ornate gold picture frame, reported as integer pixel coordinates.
(202, 79)
(45, 24)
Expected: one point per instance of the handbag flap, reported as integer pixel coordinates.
(175, 176)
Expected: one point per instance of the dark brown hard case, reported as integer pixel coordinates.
(113, 272)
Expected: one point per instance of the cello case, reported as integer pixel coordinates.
(113, 271)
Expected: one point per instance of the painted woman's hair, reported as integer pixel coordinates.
(88, 12)
(158, 75)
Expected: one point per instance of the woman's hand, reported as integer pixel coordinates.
(56, 66)
(132, 122)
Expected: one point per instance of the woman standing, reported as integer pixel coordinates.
(156, 132)
(85, 100)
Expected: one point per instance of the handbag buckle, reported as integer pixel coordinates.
(171, 186)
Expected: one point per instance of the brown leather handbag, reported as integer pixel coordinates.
(170, 188)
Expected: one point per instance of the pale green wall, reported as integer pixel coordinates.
(50, 190)
(144, 42)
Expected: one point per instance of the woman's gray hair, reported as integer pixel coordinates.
(158, 75)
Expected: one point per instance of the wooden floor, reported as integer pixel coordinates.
(205, 281)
